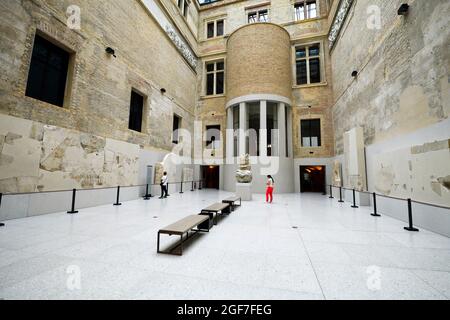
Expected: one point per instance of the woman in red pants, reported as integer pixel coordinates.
(269, 190)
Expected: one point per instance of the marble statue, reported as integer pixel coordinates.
(244, 173)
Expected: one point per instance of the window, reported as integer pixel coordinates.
(215, 29)
(215, 72)
(136, 111)
(258, 16)
(310, 133)
(212, 137)
(48, 72)
(176, 126)
(183, 5)
(272, 126)
(253, 126)
(307, 60)
(305, 10)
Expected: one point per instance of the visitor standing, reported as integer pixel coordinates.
(269, 191)
(164, 185)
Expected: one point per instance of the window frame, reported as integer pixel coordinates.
(257, 11)
(214, 72)
(320, 144)
(307, 58)
(214, 21)
(305, 10)
(183, 6)
(208, 143)
(68, 72)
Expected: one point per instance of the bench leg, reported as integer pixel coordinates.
(181, 244)
(157, 250)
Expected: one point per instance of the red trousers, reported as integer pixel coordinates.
(269, 194)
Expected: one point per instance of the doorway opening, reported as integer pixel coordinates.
(312, 179)
(210, 175)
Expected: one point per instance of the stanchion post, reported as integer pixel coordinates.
(146, 197)
(340, 195)
(199, 184)
(331, 192)
(354, 199)
(72, 210)
(375, 213)
(1, 196)
(410, 218)
(117, 197)
(181, 186)
(192, 185)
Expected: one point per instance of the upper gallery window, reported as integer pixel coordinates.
(48, 72)
(213, 137)
(136, 111)
(215, 28)
(305, 9)
(258, 16)
(310, 132)
(215, 72)
(307, 61)
(183, 5)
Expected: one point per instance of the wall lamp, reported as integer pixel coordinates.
(110, 51)
(163, 90)
(354, 73)
(403, 10)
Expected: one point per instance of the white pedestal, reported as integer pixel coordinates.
(244, 190)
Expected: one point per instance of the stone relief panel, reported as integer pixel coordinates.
(337, 177)
(355, 170)
(407, 173)
(37, 157)
(188, 174)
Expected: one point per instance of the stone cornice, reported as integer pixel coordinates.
(338, 21)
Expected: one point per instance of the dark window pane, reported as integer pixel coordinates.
(220, 65)
(263, 16)
(314, 70)
(176, 126)
(310, 132)
(210, 84)
(210, 67)
(210, 29)
(48, 72)
(314, 51)
(252, 17)
(301, 72)
(219, 83)
(300, 53)
(136, 107)
(299, 11)
(220, 28)
(212, 136)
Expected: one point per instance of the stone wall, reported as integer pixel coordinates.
(401, 91)
(94, 119)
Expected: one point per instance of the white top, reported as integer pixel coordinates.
(164, 180)
(269, 182)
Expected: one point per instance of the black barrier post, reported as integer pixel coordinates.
(192, 185)
(72, 211)
(117, 199)
(200, 185)
(354, 200)
(1, 196)
(146, 197)
(331, 192)
(410, 218)
(181, 187)
(340, 195)
(375, 213)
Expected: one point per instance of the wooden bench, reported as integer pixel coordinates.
(181, 228)
(223, 208)
(232, 202)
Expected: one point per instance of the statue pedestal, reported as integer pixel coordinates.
(244, 190)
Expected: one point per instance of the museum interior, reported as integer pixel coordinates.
(340, 108)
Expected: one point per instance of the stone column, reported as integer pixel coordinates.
(229, 134)
(263, 129)
(242, 128)
(281, 131)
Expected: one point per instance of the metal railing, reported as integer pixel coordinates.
(375, 213)
(195, 184)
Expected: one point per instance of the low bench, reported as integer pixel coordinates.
(223, 208)
(232, 202)
(181, 228)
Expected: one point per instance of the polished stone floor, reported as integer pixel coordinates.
(300, 247)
